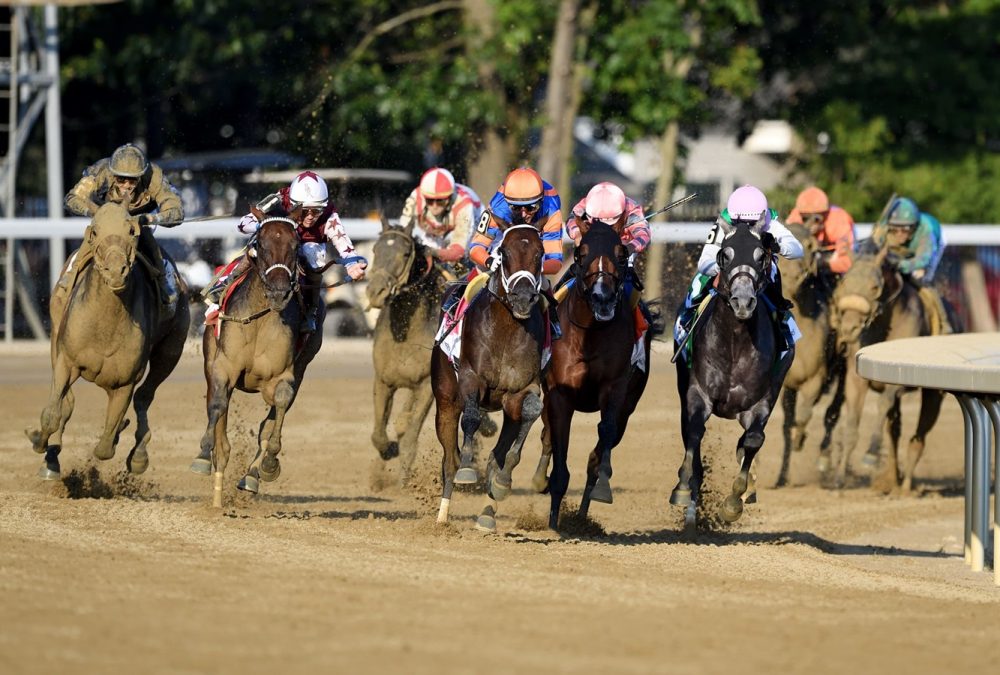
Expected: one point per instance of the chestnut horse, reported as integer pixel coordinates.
(499, 368)
(110, 329)
(260, 348)
(591, 367)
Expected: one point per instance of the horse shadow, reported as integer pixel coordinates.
(315, 499)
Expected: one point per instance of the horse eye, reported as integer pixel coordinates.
(729, 254)
(757, 254)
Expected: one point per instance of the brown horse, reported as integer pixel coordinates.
(873, 304)
(111, 330)
(817, 365)
(591, 368)
(407, 285)
(261, 348)
(499, 368)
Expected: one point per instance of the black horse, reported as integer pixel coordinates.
(735, 370)
(499, 368)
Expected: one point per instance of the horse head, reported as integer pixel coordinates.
(393, 260)
(865, 289)
(518, 279)
(274, 253)
(112, 237)
(794, 273)
(744, 263)
(601, 260)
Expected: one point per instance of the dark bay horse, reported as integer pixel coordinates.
(591, 368)
(499, 368)
(406, 284)
(817, 365)
(260, 348)
(873, 304)
(111, 330)
(735, 370)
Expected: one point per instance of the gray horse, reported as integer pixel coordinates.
(874, 304)
(110, 329)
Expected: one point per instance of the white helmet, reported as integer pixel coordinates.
(309, 190)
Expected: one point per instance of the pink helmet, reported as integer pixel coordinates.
(437, 183)
(309, 190)
(748, 204)
(605, 202)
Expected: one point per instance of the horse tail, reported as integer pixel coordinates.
(653, 311)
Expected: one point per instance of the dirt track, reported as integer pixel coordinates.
(321, 572)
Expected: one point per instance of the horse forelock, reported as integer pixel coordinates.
(112, 220)
(600, 240)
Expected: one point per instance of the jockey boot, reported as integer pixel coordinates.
(213, 292)
(151, 250)
(453, 296)
(699, 290)
(937, 315)
(311, 299)
(553, 307)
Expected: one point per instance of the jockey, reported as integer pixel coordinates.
(443, 212)
(831, 225)
(607, 203)
(746, 205)
(307, 202)
(916, 241)
(523, 199)
(128, 177)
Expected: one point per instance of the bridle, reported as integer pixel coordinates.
(509, 281)
(585, 281)
(402, 281)
(263, 274)
(758, 278)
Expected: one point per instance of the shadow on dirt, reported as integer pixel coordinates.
(318, 499)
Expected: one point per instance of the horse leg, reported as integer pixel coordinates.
(266, 466)
(383, 408)
(221, 452)
(162, 361)
(50, 469)
(471, 419)
(607, 432)
(788, 397)
(749, 444)
(118, 400)
(694, 414)
(930, 407)
(832, 414)
(540, 481)
(558, 415)
(446, 424)
(854, 398)
(217, 404)
(420, 402)
(520, 412)
(63, 377)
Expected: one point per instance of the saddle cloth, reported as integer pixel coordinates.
(212, 315)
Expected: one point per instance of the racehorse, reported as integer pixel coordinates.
(817, 365)
(591, 368)
(498, 368)
(874, 304)
(735, 369)
(406, 284)
(108, 329)
(260, 348)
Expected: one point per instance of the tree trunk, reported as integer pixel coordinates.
(567, 140)
(668, 160)
(557, 94)
(487, 164)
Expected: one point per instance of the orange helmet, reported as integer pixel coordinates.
(523, 187)
(812, 200)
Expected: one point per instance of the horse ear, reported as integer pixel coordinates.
(409, 227)
(386, 226)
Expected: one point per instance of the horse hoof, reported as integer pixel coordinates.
(680, 496)
(35, 436)
(249, 484)
(823, 464)
(269, 475)
(731, 509)
(45, 473)
(498, 490)
(540, 483)
(391, 451)
(201, 466)
(751, 498)
(485, 523)
(467, 475)
(104, 453)
(138, 462)
(869, 460)
(602, 492)
(487, 427)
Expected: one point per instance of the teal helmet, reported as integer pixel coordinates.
(904, 213)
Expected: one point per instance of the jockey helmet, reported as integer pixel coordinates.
(812, 200)
(904, 213)
(749, 204)
(523, 187)
(128, 161)
(437, 183)
(308, 190)
(605, 202)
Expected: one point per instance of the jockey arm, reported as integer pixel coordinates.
(170, 211)
(80, 199)
(636, 235)
(922, 249)
(335, 233)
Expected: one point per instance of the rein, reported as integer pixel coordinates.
(293, 277)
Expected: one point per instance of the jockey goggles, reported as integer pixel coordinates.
(528, 208)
